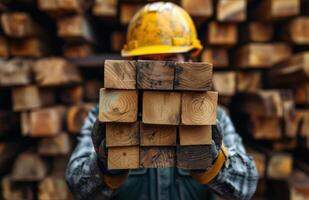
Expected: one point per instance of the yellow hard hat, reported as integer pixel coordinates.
(160, 28)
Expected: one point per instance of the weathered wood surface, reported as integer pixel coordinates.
(224, 83)
(157, 157)
(193, 76)
(52, 188)
(75, 117)
(28, 48)
(217, 56)
(257, 31)
(279, 165)
(122, 134)
(289, 72)
(261, 55)
(123, 157)
(198, 8)
(157, 135)
(161, 107)
(194, 157)
(267, 128)
(297, 31)
(15, 72)
(43, 122)
(75, 28)
(77, 50)
(231, 11)
(55, 146)
(195, 135)
(30, 97)
(199, 108)
(105, 8)
(118, 105)
(222, 34)
(18, 24)
(248, 81)
(12, 190)
(120, 74)
(274, 9)
(63, 7)
(71, 94)
(29, 167)
(55, 71)
(157, 75)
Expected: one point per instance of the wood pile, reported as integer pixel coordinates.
(52, 67)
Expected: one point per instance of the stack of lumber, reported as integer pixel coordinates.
(147, 105)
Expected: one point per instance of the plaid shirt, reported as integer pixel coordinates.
(236, 180)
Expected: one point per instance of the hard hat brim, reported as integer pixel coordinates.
(160, 49)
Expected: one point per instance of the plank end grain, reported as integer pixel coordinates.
(193, 76)
(122, 134)
(199, 108)
(119, 74)
(157, 157)
(157, 135)
(118, 105)
(123, 157)
(195, 135)
(161, 107)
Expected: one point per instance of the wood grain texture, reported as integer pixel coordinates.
(199, 108)
(15, 72)
(231, 11)
(198, 8)
(217, 56)
(55, 146)
(161, 107)
(194, 157)
(61, 8)
(53, 187)
(222, 34)
(120, 74)
(122, 134)
(225, 83)
(157, 135)
(123, 157)
(279, 166)
(267, 128)
(193, 76)
(248, 81)
(105, 8)
(195, 135)
(258, 31)
(156, 75)
(75, 117)
(157, 157)
(55, 71)
(118, 105)
(298, 30)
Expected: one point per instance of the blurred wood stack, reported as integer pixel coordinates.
(259, 51)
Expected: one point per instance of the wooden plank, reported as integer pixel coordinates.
(63, 7)
(297, 31)
(157, 135)
(127, 11)
(290, 118)
(198, 8)
(55, 71)
(161, 107)
(193, 76)
(195, 135)
(120, 74)
(199, 108)
(261, 55)
(289, 72)
(122, 134)
(12, 190)
(123, 157)
(267, 128)
(157, 157)
(194, 157)
(217, 56)
(29, 167)
(77, 50)
(75, 117)
(280, 165)
(118, 105)
(301, 94)
(28, 48)
(157, 75)
(15, 72)
(91, 88)
(53, 187)
(75, 28)
(231, 11)
(118, 40)
(45, 122)
(276, 9)
(4, 47)
(222, 34)
(105, 8)
(225, 83)
(30, 97)
(71, 94)
(258, 31)
(55, 146)
(248, 81)
(18, 25)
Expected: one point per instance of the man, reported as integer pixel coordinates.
(161, 31)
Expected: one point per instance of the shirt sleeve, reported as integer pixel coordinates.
(83, 175)
(238, 176)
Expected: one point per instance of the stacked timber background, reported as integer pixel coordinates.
(51, 71)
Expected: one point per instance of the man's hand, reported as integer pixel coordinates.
(98, 140)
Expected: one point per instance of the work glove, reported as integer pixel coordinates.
(99, 143)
